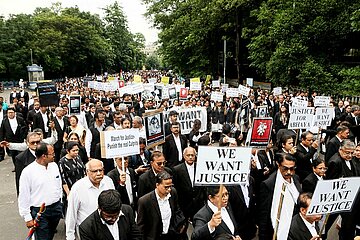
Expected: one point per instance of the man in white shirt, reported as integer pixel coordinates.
(138, 123)
(84, 194)
(304, 227)
(40, 183)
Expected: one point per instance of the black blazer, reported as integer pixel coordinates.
(7, 134)
(267, 187)
(93, 229)
(298, 229)
(303, 164)
(147, 182)
(115, 176)
(337, 168)
(149, 216)
(60, 131)
(38, 122)
(191, 199)
(22, 160)
(201, 229)
(244, 216)
(331, 148)
(170, 150)
(309, 183)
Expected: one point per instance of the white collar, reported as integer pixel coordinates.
(162, 199)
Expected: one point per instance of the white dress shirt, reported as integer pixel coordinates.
(13, 124)
(1, 116)
(114, 228)
(45, 120)
(38, 184)
(61, 122)
(310, 226)
(224, 217)
(82, 201)
(178, 145)
(191, 171)
(128, 184)
(165, 211)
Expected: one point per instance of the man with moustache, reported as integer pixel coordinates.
(268, 204)
(112, 220)
(82, 199)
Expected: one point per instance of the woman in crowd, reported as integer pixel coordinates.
(286, 144)
(195, 134)
(77, 128)
(218, 116)
(74, 137)
(125, 123)
(281, 119)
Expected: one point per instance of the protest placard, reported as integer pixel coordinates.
(152, 80)
(119, 143)
(277, 91)
(250, 81)
(187, 117)
(125, 89)
(332, 196)
(91, 84)
(137, 79)
(165, 93)
(47, 93)
(232, 92)
(207, 81)
(99, 78)
(217, 97)
(75, 104)
(183, 93)
(194, 79)
(301, 118)
(298, 103)
(165, 80)
(172, 92)
(222, 165)
(149, 87)
(154, 125)
(261, 132)
(195, 86)
(322, 101)
(215, 83)
(243, 90)
(323, 117)
(224, 87)
(137, 88)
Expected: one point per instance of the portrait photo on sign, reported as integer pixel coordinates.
(262, 111)
(154, 128)
(261, 131)
(172, 93)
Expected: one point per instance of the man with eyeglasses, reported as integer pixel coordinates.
(111, 221)
(147, 180)
(83, 195)
(340, 166)
(269, 197)
(159, 215)
(40, 182)
(304, 154)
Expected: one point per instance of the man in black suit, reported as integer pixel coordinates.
(111, 214)
(41, 120)
(125, 182)
(173, 116)
(147, 180)
(341, 165)
(280, 101)
(216, 218)
(286, 168)
(26, 157)
(353, 119)
(13, 129)
(93, 134)
(23, 94)
(174, 145)
(142, 159)
(304, 227)
(159, 215)
(342, 132)
(243, 201)
(2, 116)
(32, 112)
(304, 154)
(319, 170)
(61, 124)
(191, 198)
(89, 116)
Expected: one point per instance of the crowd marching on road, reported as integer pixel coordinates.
(58, 160)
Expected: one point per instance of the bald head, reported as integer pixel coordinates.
(189, 155)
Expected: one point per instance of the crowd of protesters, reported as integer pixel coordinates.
(57, 161)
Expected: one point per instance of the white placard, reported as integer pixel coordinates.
(187, 117)
(165, 93)
(99, 78)
(301, 118)
(332, 196)
(222, 165)
(98, 86)
(323, 117)
(322, 101)
(224, 87)
(125, 89)
(217, 96)
(149, 87)
(250, 81)
(243, 90)
(277, 91)
(195, 86)
(216, 84)
(137, 88)
(298, 103)
(152, 80)
(91, 84)
(114, 85)
(179, 87)
(119, 143)
(232, 92)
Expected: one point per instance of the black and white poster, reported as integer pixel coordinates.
(75, 104)
(154, 125)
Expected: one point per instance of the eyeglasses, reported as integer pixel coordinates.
(284, 168)
(224, 195)
(96, 170)
(161, 163)
(34, 142)
(323, 168)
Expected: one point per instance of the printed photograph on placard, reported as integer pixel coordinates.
(261, 131)
(155, 134)
(262, 111)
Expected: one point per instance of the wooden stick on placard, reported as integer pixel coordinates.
(221, 190)
(123, 164)
(323, 226)
(297, 137)
(279, 211)
(319, 139)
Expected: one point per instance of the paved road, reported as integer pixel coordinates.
(12, 226)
